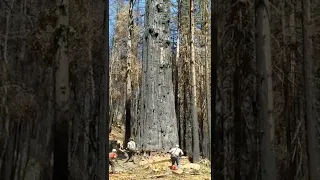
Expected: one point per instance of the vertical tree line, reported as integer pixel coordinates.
(52, 88)
(264, 93)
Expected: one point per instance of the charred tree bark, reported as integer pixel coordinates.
(292, 120)
(289, 90)
(217, 141)
(104, 101)
(237, 122)
(128, 75)
(158, 122)
(237, 76)
(5, 156)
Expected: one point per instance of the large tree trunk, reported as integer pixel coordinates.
(62, 93)
(310, 116)
(194, 114)
(158, 122)
(265, 92)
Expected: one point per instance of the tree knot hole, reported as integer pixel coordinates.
(160, 7)
(151, 31)
(167, 43)
(156, 35)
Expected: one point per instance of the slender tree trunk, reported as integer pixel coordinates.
(22, 52)
(238, 144)
(89, 105)
(104, 120)
(286, 110)
(194, 113)
(207, 78)
(293, 107)
(9, 158)
(128, 75)
(310, 115)
(187, 134)
(5, 115)
(62, 93)
(176, 74)
(217, 158)
(16, 151)
(290, 114)
(265, 92)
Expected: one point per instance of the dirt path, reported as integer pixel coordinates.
(127, 167)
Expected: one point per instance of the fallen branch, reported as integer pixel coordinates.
(160, 161)
(158, 176)
(165, 160)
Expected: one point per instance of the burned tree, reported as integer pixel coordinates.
(157, 122)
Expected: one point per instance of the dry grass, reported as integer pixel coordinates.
(158, 168)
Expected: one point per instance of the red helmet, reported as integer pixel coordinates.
(174, 167)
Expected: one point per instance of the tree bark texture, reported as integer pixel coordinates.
(104, 119)
(128, 75)
(194, 109)
(158, 122)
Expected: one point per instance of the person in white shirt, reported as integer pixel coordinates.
(131, 147)
(176, 152)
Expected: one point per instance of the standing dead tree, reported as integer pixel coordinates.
(157, 123)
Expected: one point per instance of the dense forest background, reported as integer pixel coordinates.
(262, 79)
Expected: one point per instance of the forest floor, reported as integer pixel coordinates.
(157, 167)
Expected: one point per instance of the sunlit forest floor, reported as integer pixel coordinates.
(159, 170)
(158, 167)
